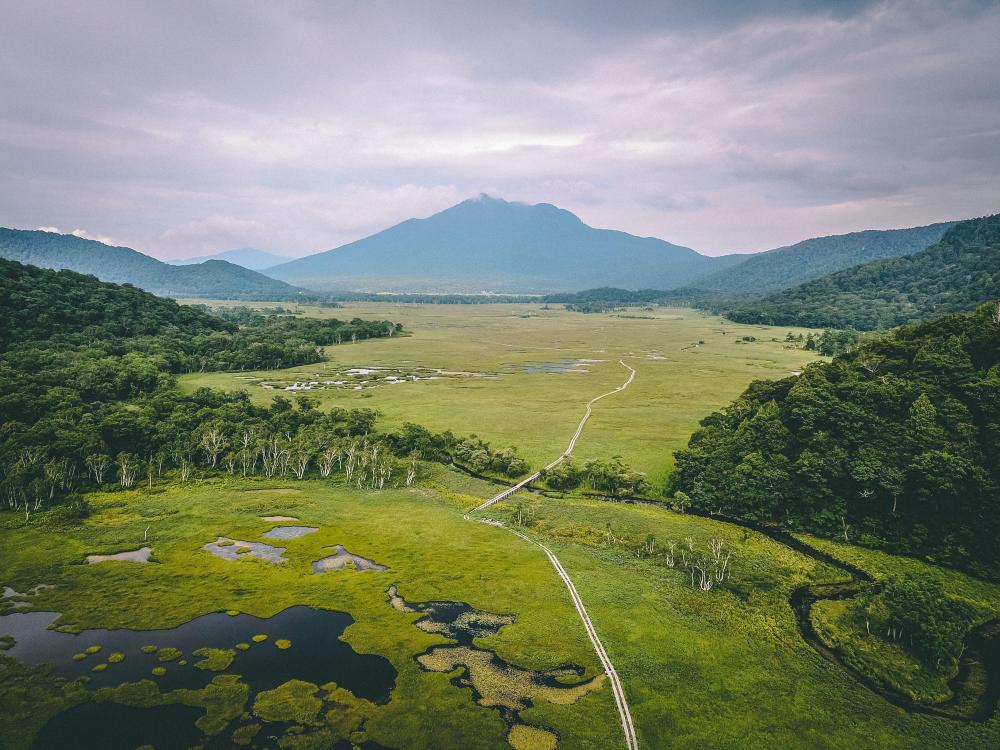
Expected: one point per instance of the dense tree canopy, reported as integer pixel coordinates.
(916, 612)
(895, 445)
(958, 273)
(87, 392)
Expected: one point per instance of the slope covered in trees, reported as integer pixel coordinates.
(87, 396)
(783, 267)
(896, 445)
(214, 278)
(958, 273)
(70, 314)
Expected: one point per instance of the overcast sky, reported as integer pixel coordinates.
(183, 128)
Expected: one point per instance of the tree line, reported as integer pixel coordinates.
(88, 397)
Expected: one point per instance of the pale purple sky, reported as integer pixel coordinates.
(184, 128)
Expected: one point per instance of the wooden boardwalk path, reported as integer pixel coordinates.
(631, 741)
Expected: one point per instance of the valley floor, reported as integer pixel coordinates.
(520, 374)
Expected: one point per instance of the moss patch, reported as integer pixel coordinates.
(244, 735)
(283, 643)
(116, 657)
(260, 638)
(79, 657)
(149, 649)
(242, 646)
(169, 653)
(6, 642)
(99, 667)
(159, 671)
(92, 649)
(214, 659)
(527, 737)
(293, 701)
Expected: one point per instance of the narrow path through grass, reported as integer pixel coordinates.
(569, 450)
(631, 742)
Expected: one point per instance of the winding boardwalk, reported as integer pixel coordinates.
(631, 741)
(569, 449)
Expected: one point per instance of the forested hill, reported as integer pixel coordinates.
(88, 398)
(84, 319)
(214, 278)
(896, 446)
(958, 273)
(37, 304)
(783, 267)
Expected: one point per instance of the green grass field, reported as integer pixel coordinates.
(678, 381)
(722, 669)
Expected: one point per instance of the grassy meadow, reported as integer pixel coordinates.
(678, 381)
(722, 669)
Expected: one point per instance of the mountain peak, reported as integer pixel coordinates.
(487, 242)
(490, 207)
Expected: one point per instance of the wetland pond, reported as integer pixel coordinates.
(494, 683)
(297, 644)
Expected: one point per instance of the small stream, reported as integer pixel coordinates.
(976, 686)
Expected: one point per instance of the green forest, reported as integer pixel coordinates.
(895, 445)
(88, 396)
(958, 273)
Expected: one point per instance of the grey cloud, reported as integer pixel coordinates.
(187, 127)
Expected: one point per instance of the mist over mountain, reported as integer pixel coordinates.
(123, 265)
(248, 257)
(491, 244)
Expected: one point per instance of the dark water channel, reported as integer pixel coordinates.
(317, 654)
(976, 687)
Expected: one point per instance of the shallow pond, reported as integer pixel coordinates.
(317, 654)
(234, 549)
(289, 532)
(140, 555)
(566, 364)
(340, 560)
(113, 726)
(494, 683)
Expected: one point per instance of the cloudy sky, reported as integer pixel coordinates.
(183, 128)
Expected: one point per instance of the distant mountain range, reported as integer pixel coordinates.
(212, 279)
(489, 244)
(866, 279)
(958, 273)
(248, 257)
(783, 267)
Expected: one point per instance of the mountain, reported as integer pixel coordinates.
(122, 265)
(783, 267)
(958, 273)
(490, 244)
(248, 257)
